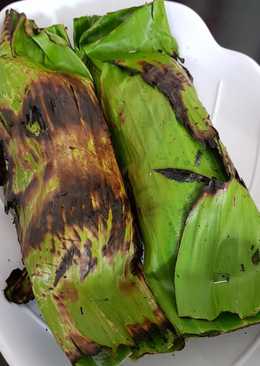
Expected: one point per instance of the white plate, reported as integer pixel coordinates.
(229, 85)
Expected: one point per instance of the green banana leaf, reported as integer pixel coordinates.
(73, 219)
(200, 227)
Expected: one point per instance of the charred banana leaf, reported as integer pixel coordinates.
(200, 227)
(73, 219)
(19, 287)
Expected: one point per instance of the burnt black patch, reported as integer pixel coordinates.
(12, 200)
(188, 73)
(84, 345)
(28, 193)
(49, 172)
(12, 204)
(3, 167)
(74, 93)
(19, 287)
(179, 343)
(214, 186)
(137, 239)
(198, 158)
(148, 335)
(57, 101)
(66, 263)
(146, 330)
(183, 175)
(7, 118)
(117, 235)
(51, 103)
(75, 209)
(178, 57)
(256, 257)
(211, 333)
(87, 261)
(53, 247)
(119, 63)
(35, 124)
(63, 103)
(88, 107)
(10, 22)
(171, 84)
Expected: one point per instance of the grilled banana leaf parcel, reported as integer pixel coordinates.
(200, 227)
(73, 219)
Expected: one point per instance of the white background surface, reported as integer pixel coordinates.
(229, 85)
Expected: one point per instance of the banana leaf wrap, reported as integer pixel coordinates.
(73, 219)
(200, 227)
